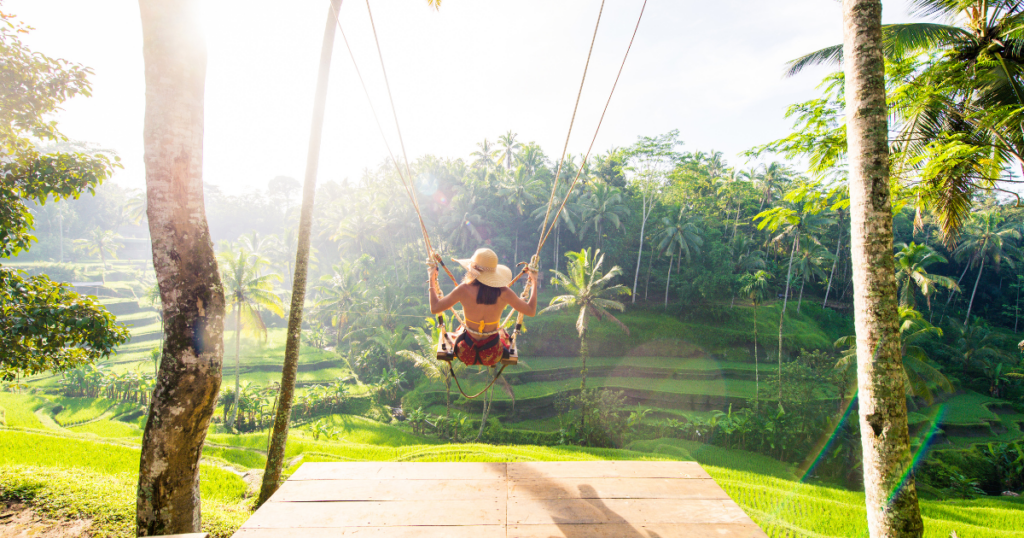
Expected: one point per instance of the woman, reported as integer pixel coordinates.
(484, 294)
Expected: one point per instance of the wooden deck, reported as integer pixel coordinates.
(586, 499)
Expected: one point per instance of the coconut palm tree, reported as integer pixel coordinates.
(247, 292)
(890, 492)
(101, 243)
(985, 240)
(755, 288)
(508, 146)
(961, 99)
(588, 290)
(810, 265)
(681, 237)
(603, 204)
(341, 291)
(912, 274)
(486, 155)
(520, 189)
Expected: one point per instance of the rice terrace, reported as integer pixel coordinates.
(591, 268)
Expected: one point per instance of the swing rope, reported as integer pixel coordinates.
(451, 371)
(406, 178)
(546, 229)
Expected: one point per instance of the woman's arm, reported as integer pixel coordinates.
(440, 304)
(527, 308)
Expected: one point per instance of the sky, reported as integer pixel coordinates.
(474, 69)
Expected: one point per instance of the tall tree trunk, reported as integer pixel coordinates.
(487, 410)
(279, 438)
(976, 281)
(835, 261)
(668, 279)
(785, 302)
(757, 374)
(238, 365)
(103, 266)
(891, 495)
(191, 293)
(800, 301)
(639, 251)
(650, 262)
(736, 223)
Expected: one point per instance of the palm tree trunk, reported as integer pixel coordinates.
(757, 374)
(279, 438)
(835, 261)
(785, 301)
(800, 301)
(238, 366)
(736, 222)
(650, 262)
(976, 281)
(668, 279)
(640, 251)
(192, 296)
(891, 495)
(103, 265)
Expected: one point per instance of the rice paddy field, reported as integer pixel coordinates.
(78, 457)
(89, 471)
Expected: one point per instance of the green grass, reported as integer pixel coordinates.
(18, 410)
(740, 460)
(110, 429)
(44, 450)
(81, 409)
(967, 409)
(106, 499)
(737, 388)
(671, 364)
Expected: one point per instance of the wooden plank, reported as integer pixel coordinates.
(468, 531)
(391, 490)
(614, 488)
(713, 530)
(372, 470)
(607, 469)
(632, 511)
(429, 512)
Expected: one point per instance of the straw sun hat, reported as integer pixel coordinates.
(483, 267)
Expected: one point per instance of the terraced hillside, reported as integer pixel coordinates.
(88, 471)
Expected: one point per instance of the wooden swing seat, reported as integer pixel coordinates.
(446, 350)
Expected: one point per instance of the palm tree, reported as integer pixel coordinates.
(961, 99)
(788, 222)
(426, 360)
(507, 143)
(919, 375)
(890, 493)
(588, 291)
(485, 155)
(520, 189)
(912, 274)
(101, 243)
(755, 287)
(247, 293)
(813, 255)
(341, 291)
(975, 343)
(984, 240)
(135, 206)
(680, 237)
(604, 204)
(773, 178)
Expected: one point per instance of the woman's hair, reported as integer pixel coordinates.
(486, 294)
